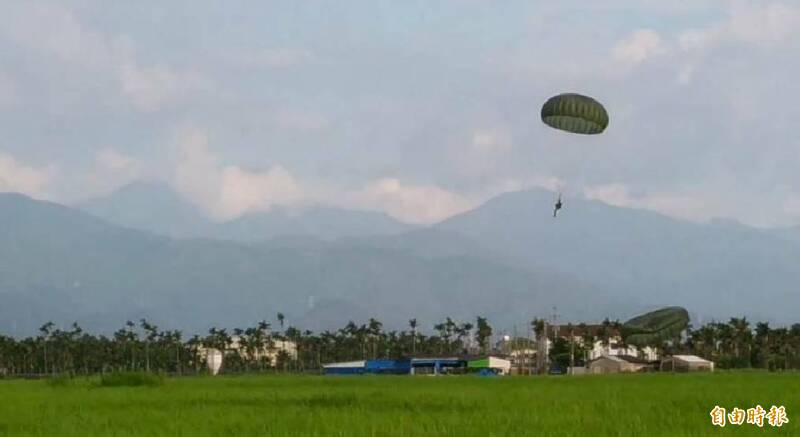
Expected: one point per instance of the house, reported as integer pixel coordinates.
(607, 340)
(345, 368)
(493, 364)
(618, 364)
(395, 367)
(388, 367)
(686, 363)
(437, 366)
(615, 348)
(214, 357)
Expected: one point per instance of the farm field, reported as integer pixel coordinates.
(614, 405)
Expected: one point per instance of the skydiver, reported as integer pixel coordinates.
(558, 206)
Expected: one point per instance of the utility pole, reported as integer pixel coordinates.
(541, 348)
(571, 351)
(555, 322)
(555, 333)
(515, 348)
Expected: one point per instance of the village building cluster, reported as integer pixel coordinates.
(601, 351)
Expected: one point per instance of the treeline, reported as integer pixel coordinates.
(735, 344)
(143, 346)
(739, 344)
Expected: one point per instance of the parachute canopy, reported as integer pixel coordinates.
(656, 327)
(575, 113)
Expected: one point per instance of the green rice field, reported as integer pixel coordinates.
(612, 405)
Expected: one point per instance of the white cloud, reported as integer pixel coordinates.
(111, 170)
(20, 178)
(113, 161)
(243, 190)
(409, 203)
(638, 47)
(548, 183)
(759, 22)
(674, 205)
(491, 140)
(748, 22)
(228, 191)
(57, 31)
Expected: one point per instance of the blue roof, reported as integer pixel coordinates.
(433, 361)
(388, 365)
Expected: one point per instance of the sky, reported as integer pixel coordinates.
(421, 109)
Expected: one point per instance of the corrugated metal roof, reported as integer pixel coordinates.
(691, 358)
(347, 364)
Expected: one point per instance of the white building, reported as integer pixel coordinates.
(686, 363)
(614, 348)
(214, 357)
(616, 364)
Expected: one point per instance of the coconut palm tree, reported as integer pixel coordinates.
(413, 325)
(483, 334)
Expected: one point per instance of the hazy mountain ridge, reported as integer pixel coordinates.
(88, 270)
(508, 259)
(155, 207)
(718, 271)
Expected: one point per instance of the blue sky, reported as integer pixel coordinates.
(421, 109)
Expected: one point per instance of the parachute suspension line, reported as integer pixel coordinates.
(575, 114)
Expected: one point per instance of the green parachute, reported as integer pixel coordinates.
(655, 327)
(575, 113)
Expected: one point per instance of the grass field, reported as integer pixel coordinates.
(619, 405)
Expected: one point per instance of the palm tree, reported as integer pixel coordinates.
(281, 318)
(605, 333)
(463, 332)
(441, 328)
(374, 333)
(218, 339)
(46, 332)
(413, 325)
(742, 337)
(151, 332)
(483, 333)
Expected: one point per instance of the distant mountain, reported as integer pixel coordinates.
(790, 234)
(509, 260)
(152, 207)
(317, 221)
(64, 265)
(716, 270)
(156, 208)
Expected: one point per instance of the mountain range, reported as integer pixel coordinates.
(154, 207)
(144, 252)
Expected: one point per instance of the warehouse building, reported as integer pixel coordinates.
(345, 368)
(493, 365)
(376, 367)
(415, 366)
(619, 364)
(686, 363)
(437, 366)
